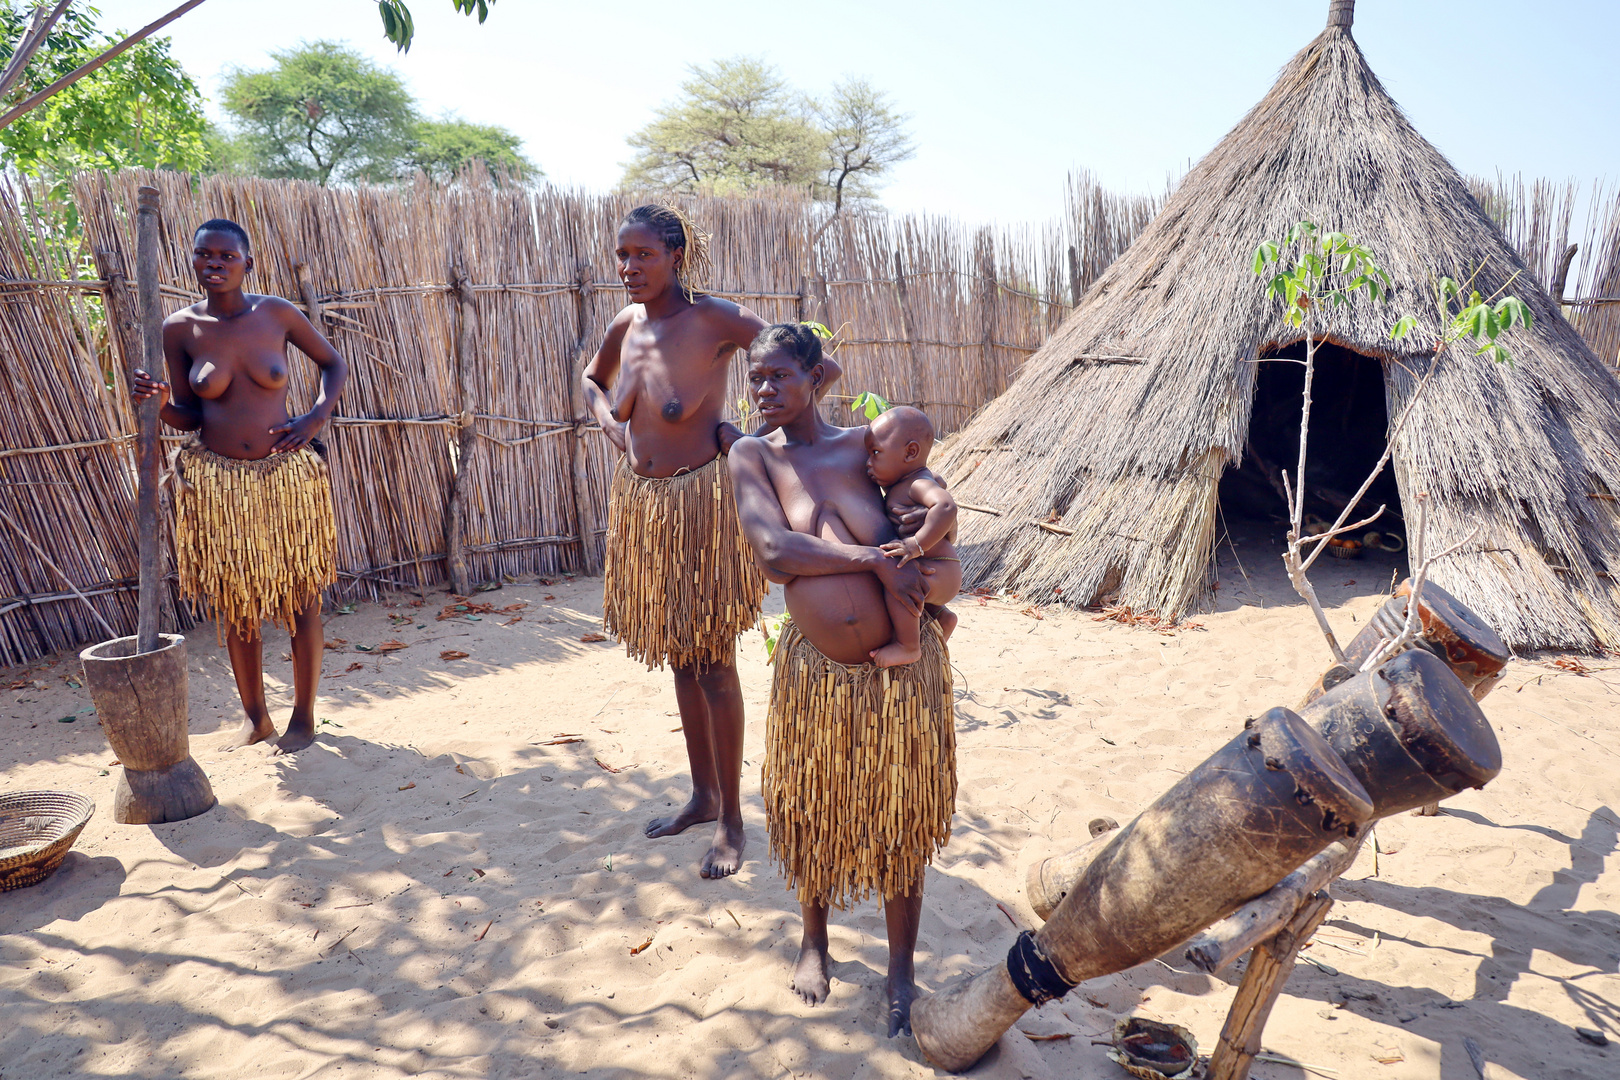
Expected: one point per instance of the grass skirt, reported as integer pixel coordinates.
(860, 769)
(680, 581)
(255, 540)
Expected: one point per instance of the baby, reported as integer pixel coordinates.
(897, 446)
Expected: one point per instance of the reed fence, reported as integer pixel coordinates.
(466, 311)
(462, 447)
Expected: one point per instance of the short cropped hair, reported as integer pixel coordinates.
(225, 225)
(795, 339)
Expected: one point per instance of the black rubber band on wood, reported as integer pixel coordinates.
(1035, 976)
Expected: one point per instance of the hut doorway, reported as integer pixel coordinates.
(1349, 422)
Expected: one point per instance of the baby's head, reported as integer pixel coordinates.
(897, 443)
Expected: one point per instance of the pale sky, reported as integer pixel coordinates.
(1005, 97)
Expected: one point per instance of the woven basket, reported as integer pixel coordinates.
(36, 830)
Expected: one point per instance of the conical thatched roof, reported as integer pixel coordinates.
(1119, 429)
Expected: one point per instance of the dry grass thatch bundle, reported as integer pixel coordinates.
(1103, 459)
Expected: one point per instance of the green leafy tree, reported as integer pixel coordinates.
(138, 109)
(441, 148)
(323, 113)
(736, 125)
(865, 137)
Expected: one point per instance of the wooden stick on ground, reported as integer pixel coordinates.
(1269, 966)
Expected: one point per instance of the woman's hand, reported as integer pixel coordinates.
(907, 523)
(615, 432)
(296, 432)
(727, 434)
(908, 583)
(143, 386)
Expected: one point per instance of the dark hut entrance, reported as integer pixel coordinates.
(1349, 421)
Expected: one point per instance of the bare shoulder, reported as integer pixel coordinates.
(185, 315)
(736, 324)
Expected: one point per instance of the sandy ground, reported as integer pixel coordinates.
(437, 889)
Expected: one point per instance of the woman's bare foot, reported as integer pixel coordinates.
(725, 854)
(693, 813)
(901, 993)
(300, 733)
(252, 731)
(810, 979)
(947, 620)
(895, 654)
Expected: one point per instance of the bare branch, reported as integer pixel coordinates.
(39, 29)
(1331, 533)
(28, 104)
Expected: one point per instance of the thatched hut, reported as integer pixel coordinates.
(1105, 457)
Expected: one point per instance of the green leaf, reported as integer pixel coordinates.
(1259, 264)
(1402, 328)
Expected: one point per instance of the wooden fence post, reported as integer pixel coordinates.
(989, 298)
(909, 331)
(148, 446)
(1074, 277)
(1561, 273)
(1269, 965)
(585, 516)
(455, 528)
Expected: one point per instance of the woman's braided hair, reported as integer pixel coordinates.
(678, 233)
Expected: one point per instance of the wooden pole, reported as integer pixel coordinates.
(1269, 966)
(148, 446)
(1074, 277)
(910, 332)
(989, 294)
(455, 529)
(1561, 273)
(585, 516)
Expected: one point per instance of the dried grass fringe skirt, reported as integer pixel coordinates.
(680, 582)
(254, 540)
(860, 769)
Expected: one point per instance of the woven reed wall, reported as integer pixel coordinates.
(930, 312)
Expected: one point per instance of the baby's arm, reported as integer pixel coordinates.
(938, 523)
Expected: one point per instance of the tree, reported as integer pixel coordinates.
(736, 125)
(865, 137)
(1310, 274)
(323, 113)
(139, 109)
(441, 148)
(398, 27)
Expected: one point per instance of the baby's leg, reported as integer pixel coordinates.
(943, 585)
(906, 648)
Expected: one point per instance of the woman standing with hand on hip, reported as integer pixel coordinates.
(680, 582)
(255, 538)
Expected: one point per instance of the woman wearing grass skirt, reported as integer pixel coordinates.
(254, 533)
(860, 761)
(679, 583)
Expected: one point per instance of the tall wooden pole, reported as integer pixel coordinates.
(461, 487)
(585, 515)
(910, 332)
(148, 445)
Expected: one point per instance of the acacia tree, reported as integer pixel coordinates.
(323, 113)
(441, 148)
(865, 137)
(738, 124)
(139, 109)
